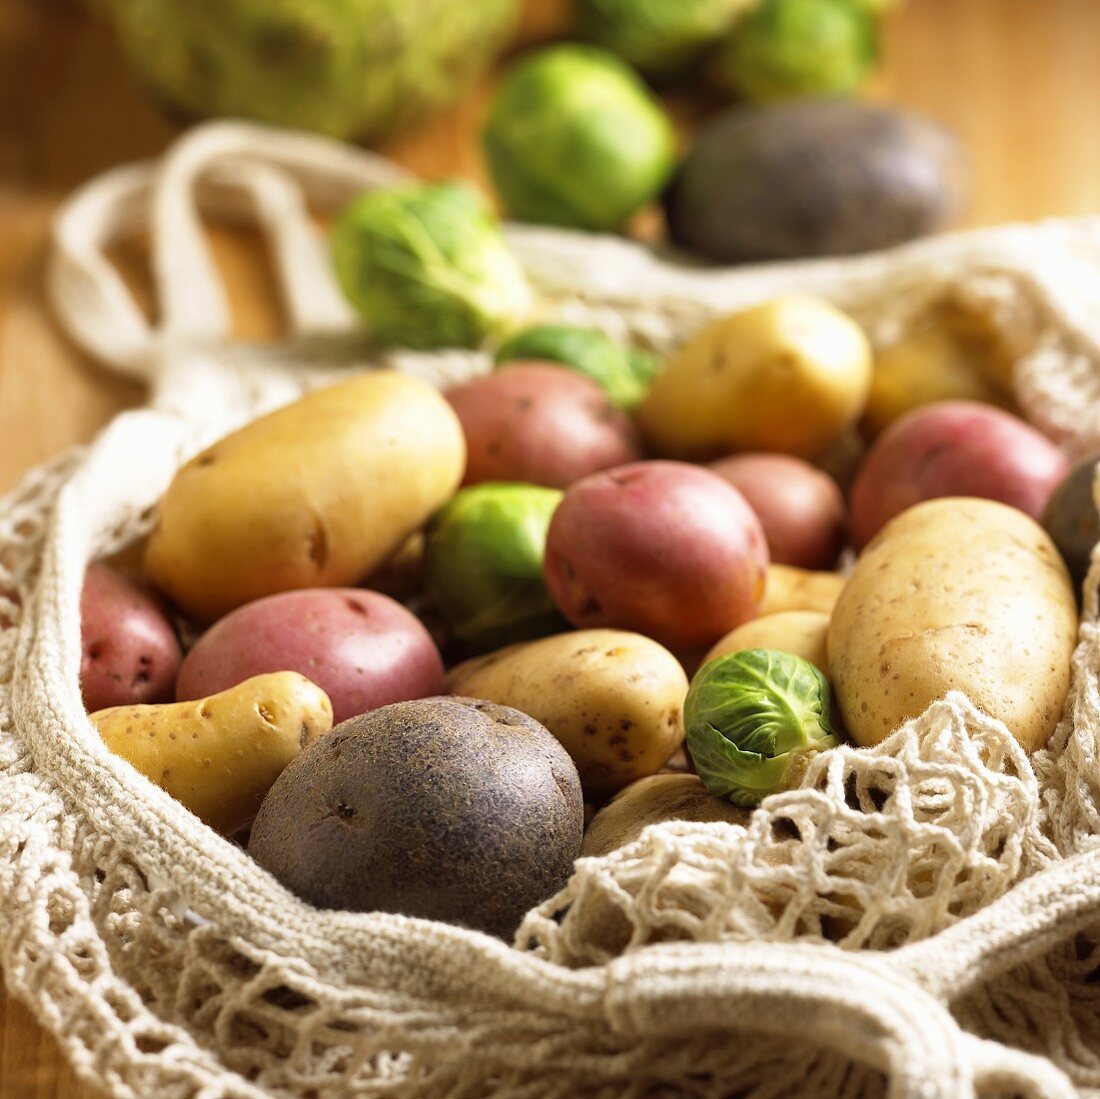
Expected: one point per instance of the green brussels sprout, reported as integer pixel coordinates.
(661, 38)
(427, 266)
(483, 564)
(790, 48)
(349, 68)
(624, 373)
(752, 720)
(575, 138)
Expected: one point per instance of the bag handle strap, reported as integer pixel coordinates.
(239, 171)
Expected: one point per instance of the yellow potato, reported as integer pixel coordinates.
(802, 633)
(614, 699)
(316, 494)
(650, 801)
(791, 589)
(931, 363)
(790, 375)
(955, 594)
(220, 755)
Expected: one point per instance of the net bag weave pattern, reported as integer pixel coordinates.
(921, 919)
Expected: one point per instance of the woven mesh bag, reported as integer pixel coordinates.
(920, 919)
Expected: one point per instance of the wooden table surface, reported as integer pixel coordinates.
(1017, 80)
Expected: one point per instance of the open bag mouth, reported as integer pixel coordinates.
(915, 906)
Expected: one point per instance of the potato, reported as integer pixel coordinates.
(664, 548)
(443, 808)
(812, 178)
(954, 448)
(650, 801)
(220, 755)
(791, 589)
(614, 699)
(789, 375)
(540, 423)
(129, 651)
(316, 494)
(360, 647)
(800, 508)
(1071, 519)
(933, 362)
(955, 594)
(802, 633)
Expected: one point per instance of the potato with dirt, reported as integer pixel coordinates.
(614, 699)
(129, 650)
(666, 549)
(955, 594)
(219, 755)
(540, 423)
(789, 375)
(448, 809)
(316, 494)
(1071, 519)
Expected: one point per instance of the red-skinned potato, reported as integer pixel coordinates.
(800, 508)
(954, 448)
(542, 424)
(363, 649)
(665, 549)
(130, 654)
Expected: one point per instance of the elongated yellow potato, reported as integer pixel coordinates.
(789, 375)
(220, 755)
(316, 494)
(614, 699)
(955, 595)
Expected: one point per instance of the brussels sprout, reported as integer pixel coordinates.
(574, 138)
(624, 373)
(426, 266)
(658, 37)
(483, 564)
(752, 719)
(789, 48)
(350, 68)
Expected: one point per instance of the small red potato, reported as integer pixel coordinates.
(363, 649)
(542, 424)
(665, 549)
(800, 508)
(954, 448)
(130, 654)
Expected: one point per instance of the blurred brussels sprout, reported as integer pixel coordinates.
(624, 373)
(350, 68)
(575, 138)
(790, 48)
(753, 718)
(427, 266)
(483, 564)
(658, 37)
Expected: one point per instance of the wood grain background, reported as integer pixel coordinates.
(1018, 80)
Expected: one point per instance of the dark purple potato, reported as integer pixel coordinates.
(813, 178)
(446, 808)
(1070, 518)
(129, 654)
